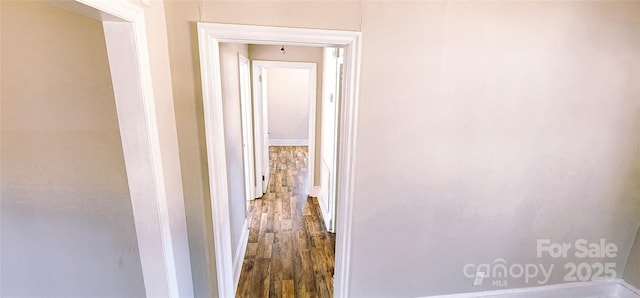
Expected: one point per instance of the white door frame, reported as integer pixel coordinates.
(248, 148)
(331, 77)
(209, 37)
(312, 68)
(261, 130)
(166, 267)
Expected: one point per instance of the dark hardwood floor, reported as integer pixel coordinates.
(289, 253)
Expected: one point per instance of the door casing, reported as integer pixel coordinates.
(209, 37)
(248, 148)
(261, 124)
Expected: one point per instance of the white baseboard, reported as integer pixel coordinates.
(592, 289)
(240, 251)
(314, 192)
(259, 192)
(626, 290)
(288, 142)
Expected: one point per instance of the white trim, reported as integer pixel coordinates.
(279, 35)
(126, 39)
(260, 133)
(209, 36)
(315, 192)
(589, 289)
(627, 290)
(284, 64)
(241, 249)
(313, 103)
(248, 147)
(288, 142)
(209, 50)
(322, 198)
(345, 171)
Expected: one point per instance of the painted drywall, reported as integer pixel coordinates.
(230, 75)
(67, 227)
(298, 54)
(632, 270)
(495, 124)
(183, 50)
(288, 93)
(499, 124)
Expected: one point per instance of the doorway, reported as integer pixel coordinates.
(281, 120)
(209, 36)
(288, 246)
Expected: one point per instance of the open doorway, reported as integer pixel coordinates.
(211, 37)
(285, 100)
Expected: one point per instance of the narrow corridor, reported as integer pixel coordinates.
(289, 252)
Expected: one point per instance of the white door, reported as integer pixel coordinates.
(247, 127)
(266, 169)
(261, 120)
(332, 68)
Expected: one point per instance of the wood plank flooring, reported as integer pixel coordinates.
(289, 253)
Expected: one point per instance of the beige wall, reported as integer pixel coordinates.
(490, 124)
(632, 271)
(288, 95)
(298, 54)
(67, 225)
(498, 124)
(187, 95)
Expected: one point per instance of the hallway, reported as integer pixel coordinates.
(289, 252)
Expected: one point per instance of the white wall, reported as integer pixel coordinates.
(632, 270)
(288, 93)
(233, 137)
(66, 220)
(488, 124)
